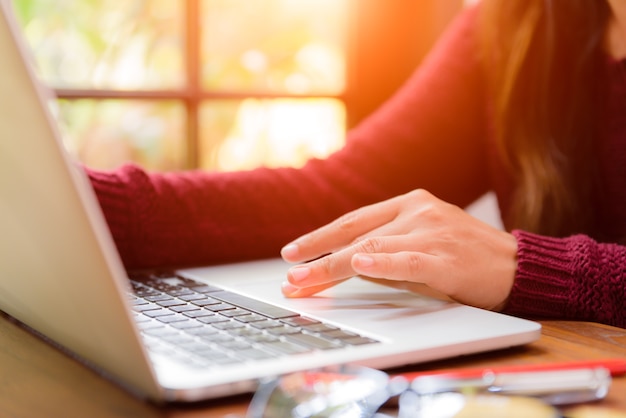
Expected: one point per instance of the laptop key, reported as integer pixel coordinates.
(245, 332)
(236, 345)
(185, 324)
(285, 347)
(235, 312)
(135, 301)
(198, 313)
(205, 302)
(360, 340)
(212, 319)
(255, 354)
(283, 330)
(178, 293)
(158, 312)
(319, 328)
(228, 325)
(202, 332)
(205, 289)
(158, 298)
(197, 347)
(145, 307)
(196, 285)
(268, 323)
(250, 318)
(192, 296)
(339, 334)
(219, 307)
(161, 332)
(171, 302)
(178, 339)
(300, 321)
(254, 305)
(172, 318)
(261, 338)
(184, 308)
(312, 341)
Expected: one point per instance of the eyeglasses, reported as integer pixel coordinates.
(342, 391)
(359, 392)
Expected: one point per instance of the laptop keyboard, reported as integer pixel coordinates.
(203, 325)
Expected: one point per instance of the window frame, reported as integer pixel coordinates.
(376, 32)
(192, 95)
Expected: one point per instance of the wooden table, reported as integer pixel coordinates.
(36, 380)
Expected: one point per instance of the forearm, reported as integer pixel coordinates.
(190, 218)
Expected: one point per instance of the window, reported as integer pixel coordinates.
(222, 84)
(214, 84)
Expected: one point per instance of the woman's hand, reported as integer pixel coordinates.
(414, 238)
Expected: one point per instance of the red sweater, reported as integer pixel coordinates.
(432, 134)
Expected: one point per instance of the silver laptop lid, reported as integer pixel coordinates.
(59, 271)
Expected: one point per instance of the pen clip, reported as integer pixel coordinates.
(556, 387)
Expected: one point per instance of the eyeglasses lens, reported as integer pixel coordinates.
(344, 391)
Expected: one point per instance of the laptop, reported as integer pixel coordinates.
(229, 326)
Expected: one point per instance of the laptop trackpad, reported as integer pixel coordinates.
(356, 303)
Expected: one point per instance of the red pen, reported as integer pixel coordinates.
(555, 383)
(615, 366)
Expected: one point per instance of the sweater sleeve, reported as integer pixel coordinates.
(430, 135)
(570, 278)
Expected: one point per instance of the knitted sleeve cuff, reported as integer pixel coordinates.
(543, 278)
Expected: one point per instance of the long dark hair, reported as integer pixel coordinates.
(544, 59)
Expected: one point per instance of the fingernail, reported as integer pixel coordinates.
(289, 251)
(288, 289)
(298, 274)
(363, 260)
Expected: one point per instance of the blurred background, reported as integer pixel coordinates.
(222, 84)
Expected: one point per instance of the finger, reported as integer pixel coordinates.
(338, 266)
(339, 233)
(291, 252)
(411, 266)
(292, 291)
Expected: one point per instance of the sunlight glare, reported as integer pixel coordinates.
(283, 132)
